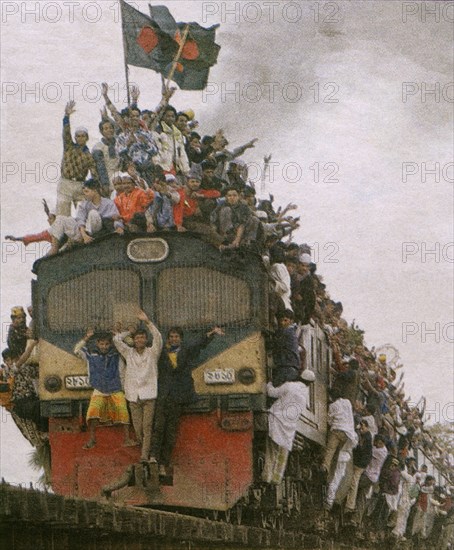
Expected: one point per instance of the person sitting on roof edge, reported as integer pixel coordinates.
(96, 214)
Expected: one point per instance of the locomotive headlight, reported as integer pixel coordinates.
(53, 383)
(246, 376)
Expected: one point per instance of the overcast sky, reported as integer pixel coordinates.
(353, 99)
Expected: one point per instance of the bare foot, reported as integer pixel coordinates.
(90, 444)
(130, 443)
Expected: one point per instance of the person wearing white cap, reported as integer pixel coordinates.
(292, 401)
(77, 162)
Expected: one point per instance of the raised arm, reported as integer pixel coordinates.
(80, 347)
(113, 110)
(67, 138)
(157, 338)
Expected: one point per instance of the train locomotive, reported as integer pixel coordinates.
(178, 280)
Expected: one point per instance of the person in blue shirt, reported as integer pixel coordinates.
(108, 402)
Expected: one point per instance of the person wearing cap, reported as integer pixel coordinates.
(132, 200)
(96, 213)
(17, 332)
(106, 157)
(408, 493)
(292, 401)
(77, 162)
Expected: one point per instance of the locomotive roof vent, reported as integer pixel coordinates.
(148, 250)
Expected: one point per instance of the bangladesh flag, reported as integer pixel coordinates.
(153, 41)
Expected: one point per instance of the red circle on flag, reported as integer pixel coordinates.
(147, 39)
(190, 50)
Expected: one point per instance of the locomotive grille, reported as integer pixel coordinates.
(94, 299)
(197, 296)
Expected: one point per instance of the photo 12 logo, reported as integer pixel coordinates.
(271, 12)
(428, 92)
(431, 12)
(422, 332)
(428, 252)
(423, 171)
(270, 92)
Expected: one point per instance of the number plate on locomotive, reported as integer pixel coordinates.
(77, 383)
(219, 376)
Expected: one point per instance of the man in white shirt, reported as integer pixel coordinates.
(283, 415)
(141, 379)
(342, 427)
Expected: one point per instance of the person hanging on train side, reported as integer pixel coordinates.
(107, 402)
(362, 455)
(409, 491)
(175, 389)
(341, 428)
(24, 394)
(291, 402)
(286, 352)
(17, 331)
(141, 378)
(369, 477)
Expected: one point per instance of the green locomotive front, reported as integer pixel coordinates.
(178, 281)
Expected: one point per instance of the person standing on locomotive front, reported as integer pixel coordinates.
(107, 402)
(175, 389)
(141, 379)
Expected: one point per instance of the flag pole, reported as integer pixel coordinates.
(178, 55)
(122, 2)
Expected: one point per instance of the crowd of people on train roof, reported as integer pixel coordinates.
(152, 171)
